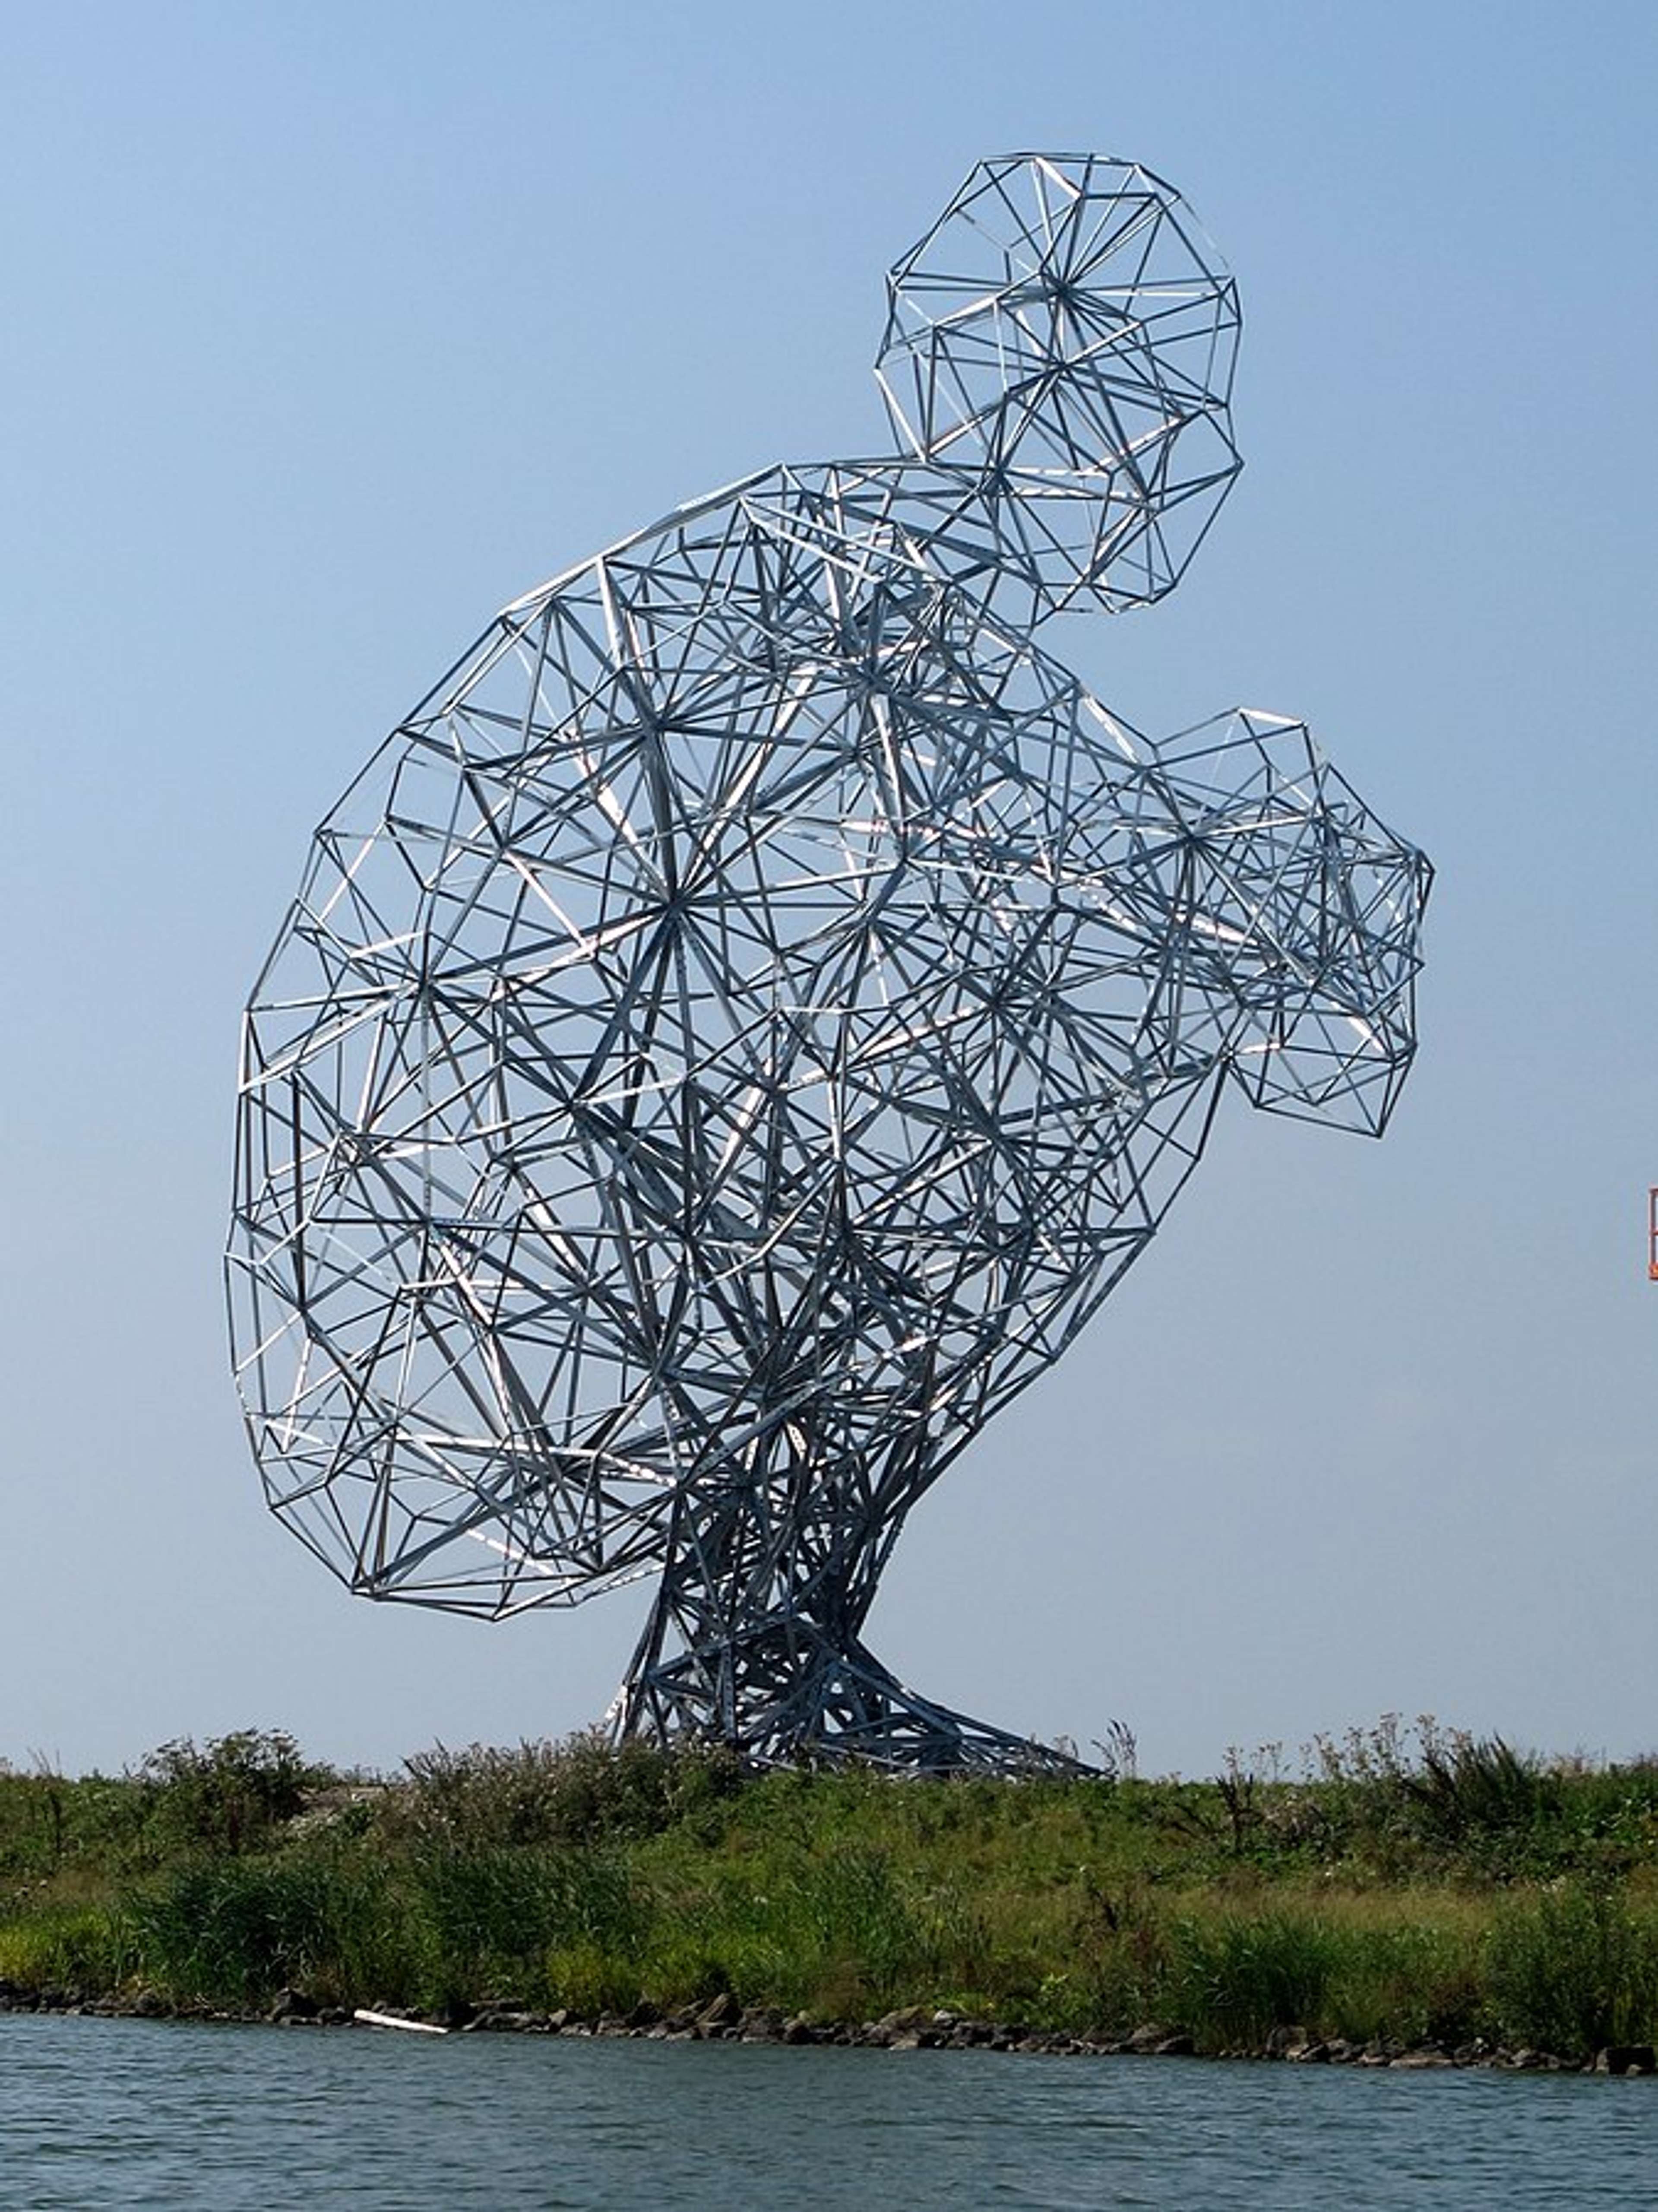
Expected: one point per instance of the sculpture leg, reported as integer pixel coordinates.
(764, 1654)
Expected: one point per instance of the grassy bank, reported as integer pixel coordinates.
(1402, 1890)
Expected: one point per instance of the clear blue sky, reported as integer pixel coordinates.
(326, 330)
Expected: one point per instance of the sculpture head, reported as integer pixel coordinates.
(1062, 340)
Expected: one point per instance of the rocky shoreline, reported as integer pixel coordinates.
(916, 2027)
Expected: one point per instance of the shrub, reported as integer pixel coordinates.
(1470, 1791)
(1571, 1971)
(586, 1790)
(227, 1796)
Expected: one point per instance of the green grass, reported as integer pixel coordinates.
(1403, 1889)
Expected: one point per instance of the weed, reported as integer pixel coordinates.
(495, 1915)
(1232, 1981)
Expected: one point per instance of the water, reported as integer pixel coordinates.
(122, 2114)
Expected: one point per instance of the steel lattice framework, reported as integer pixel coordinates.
(741, 1025)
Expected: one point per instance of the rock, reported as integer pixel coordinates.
(644, 2015)
(292, 2004)
(503, 2020)
(147, 2005)
(1626, 2058)
(720, 2012)
(903, 2038)
(798, 2030)
(1283, 2040)
(1153, 2040)
(907, 2019)
(1418, 2061)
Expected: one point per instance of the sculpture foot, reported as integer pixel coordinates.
(837, 1709)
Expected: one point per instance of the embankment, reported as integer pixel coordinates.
(1406, 1898)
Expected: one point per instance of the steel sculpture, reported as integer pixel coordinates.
(742, 1025)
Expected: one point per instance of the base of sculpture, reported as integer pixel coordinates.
(785, 1697)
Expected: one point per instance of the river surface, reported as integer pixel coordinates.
(120, 2114)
